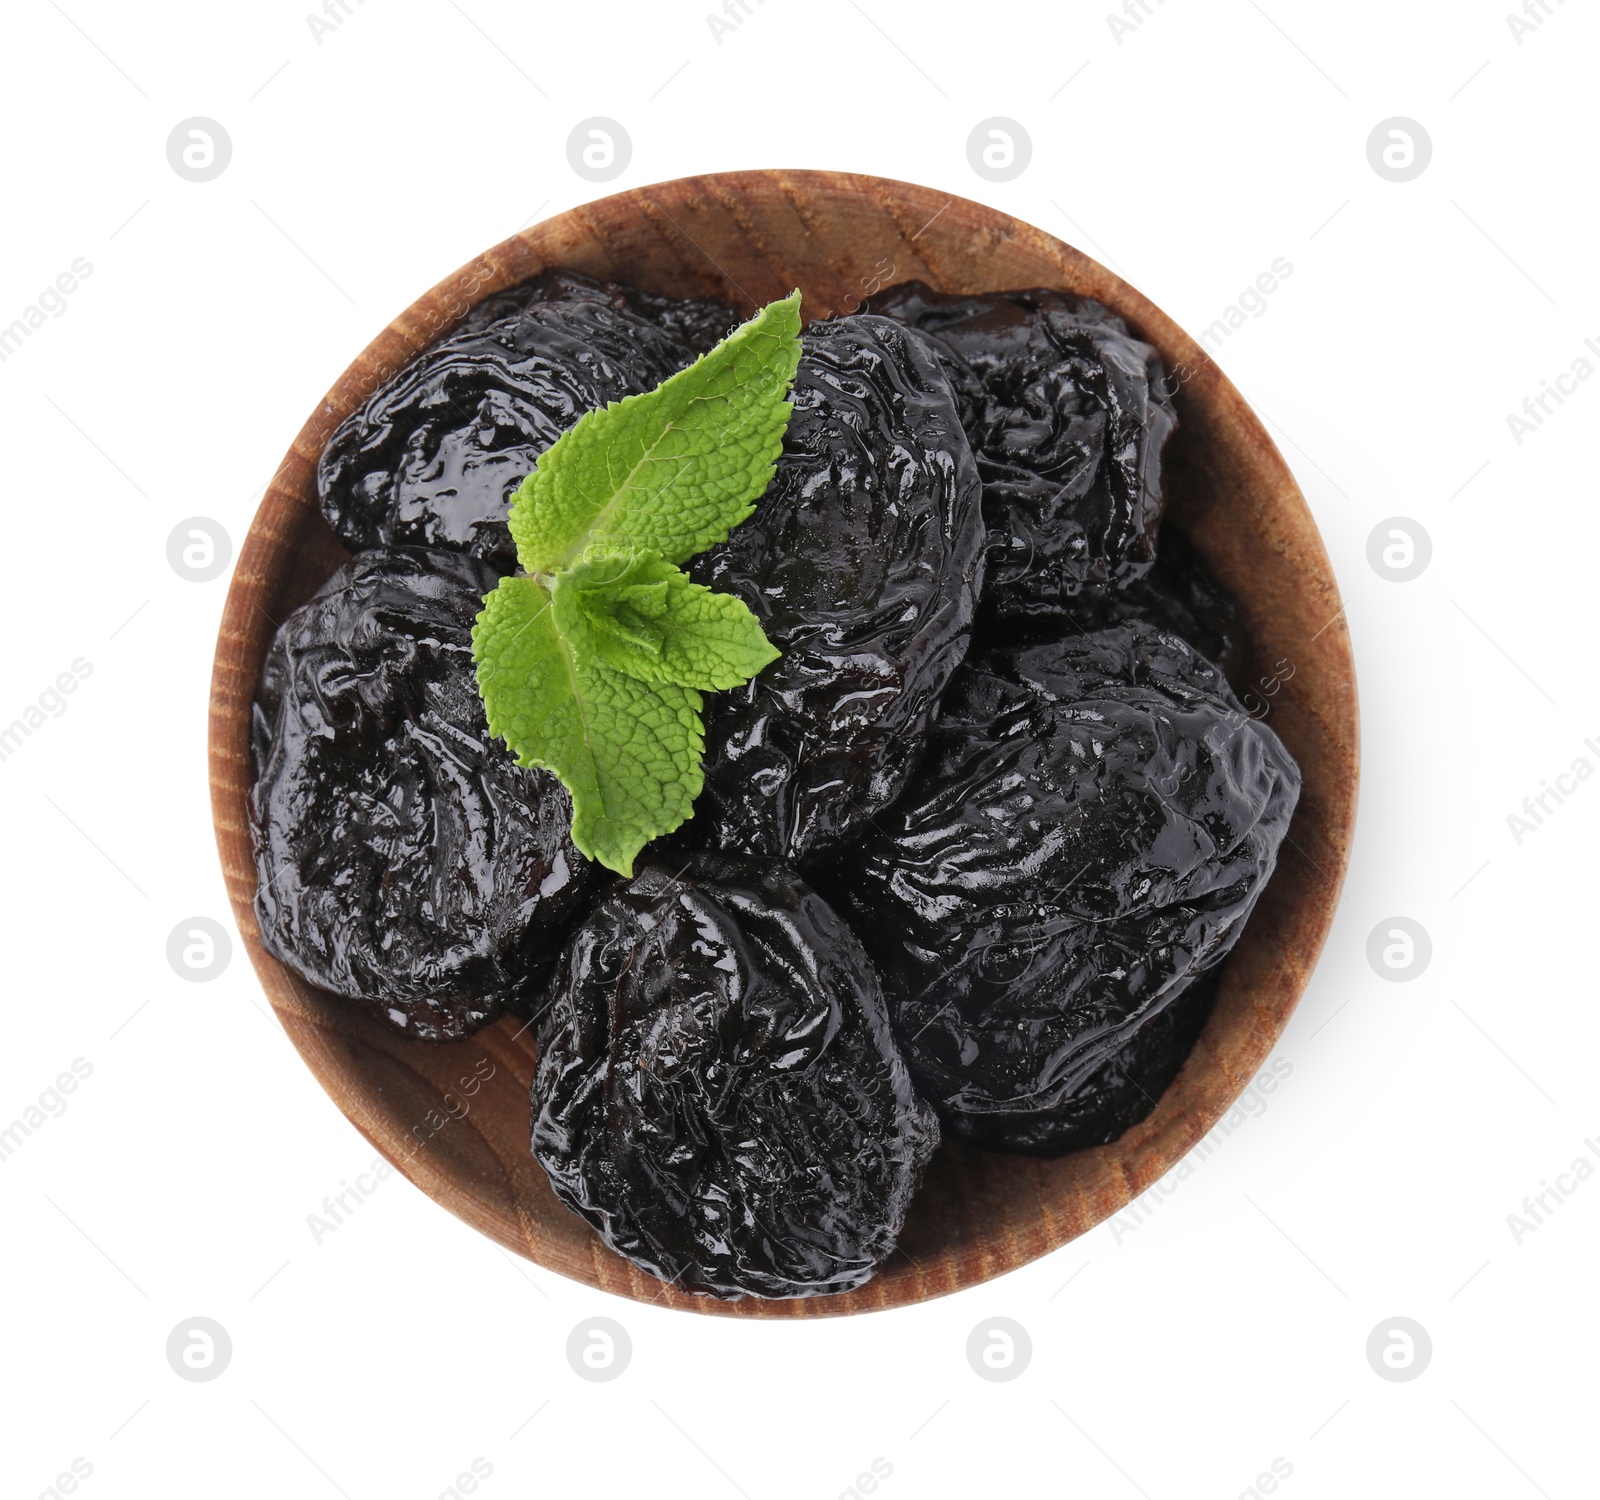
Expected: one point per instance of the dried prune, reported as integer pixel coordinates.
(1128, 1085)
(435, 455)
(698, 323)
(862, 561)
(1092, 825)
(717, 1091)
(1067, 413)
(1178, 594)
(403, 858)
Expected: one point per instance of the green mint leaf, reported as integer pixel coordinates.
(673, 470)
(627, 750)
(592, 667)
(640, 615)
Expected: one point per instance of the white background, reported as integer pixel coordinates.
(1177, 1359)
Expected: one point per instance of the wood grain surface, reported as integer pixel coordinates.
(751, 237)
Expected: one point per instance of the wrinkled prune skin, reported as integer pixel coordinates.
(1179, 594)
(698, 323)
(863, 562)
(436, 454)
(1067, 413)
(1093, 823)
(1130, 1083)
(403, 858)
(718, 1093)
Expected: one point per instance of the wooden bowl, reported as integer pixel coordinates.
(455, 1118)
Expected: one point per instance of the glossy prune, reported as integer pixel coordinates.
(1067, 413)
(1129, 1084)
(717, 1091)
(403, 858)
(1180, 595)
(435, 455)
(1094, 822)
(863, 562)
(698, 323)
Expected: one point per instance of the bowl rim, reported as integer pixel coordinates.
(329, 1043)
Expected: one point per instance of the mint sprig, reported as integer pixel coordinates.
(592, 661)
(639, 614)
